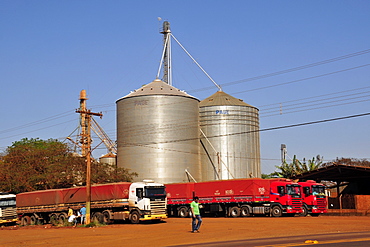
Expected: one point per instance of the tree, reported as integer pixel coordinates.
(297, 167)
(108, 173)
(34, 164)
(351, 162)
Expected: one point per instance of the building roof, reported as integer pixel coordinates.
(157, 87)
(337, 172)
(221, 99)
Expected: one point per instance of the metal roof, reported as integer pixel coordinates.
(221, 99)
(157, 87)
(337, 172)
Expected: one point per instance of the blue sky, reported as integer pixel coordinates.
(51, 50)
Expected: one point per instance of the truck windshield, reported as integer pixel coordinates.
(318, 190)
(155, 191)
(293, 190)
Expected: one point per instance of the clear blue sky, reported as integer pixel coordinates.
(51, 50)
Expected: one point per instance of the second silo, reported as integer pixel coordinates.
(157, 133)
(230, 143)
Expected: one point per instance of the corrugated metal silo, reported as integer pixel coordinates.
(158, 133)
(109, 159)
(232, 147)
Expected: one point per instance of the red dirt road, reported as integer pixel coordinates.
(177, 231)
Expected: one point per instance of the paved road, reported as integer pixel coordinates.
(334, 239)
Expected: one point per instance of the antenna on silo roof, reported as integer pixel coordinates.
(166, 56)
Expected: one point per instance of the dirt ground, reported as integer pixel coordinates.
(176, 231)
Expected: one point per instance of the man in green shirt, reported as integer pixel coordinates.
(194, 205)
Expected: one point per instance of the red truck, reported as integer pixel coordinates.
(314, 198)
(236, 197)
(109, 202)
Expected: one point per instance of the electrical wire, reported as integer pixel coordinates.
(359, 53)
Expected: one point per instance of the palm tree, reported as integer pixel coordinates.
(297, 167)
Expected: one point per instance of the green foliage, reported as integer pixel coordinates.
(34, 164)
(265, 176)
(352, 162)
(297, 167)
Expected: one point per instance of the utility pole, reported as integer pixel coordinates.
(86, 146)
(283, 153)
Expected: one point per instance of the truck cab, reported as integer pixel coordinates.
(8, 212)
(147, 201)
(285, 198)
(314, 198)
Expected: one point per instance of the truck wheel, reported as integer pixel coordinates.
(106, 217)
(304, 212)
(33, 220)
(276, 211)
(26, 220)
(245, 211)
(62, 218)
(98, 217)
(135, 217)
(314, 215)
(234, 212)
(183, 212)
(54, 219)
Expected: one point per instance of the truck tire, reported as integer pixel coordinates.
(107, 217)
(234, 212)
(245, 211)
(183, 212)
(54, 219)
(315, 215)
(276, 211)
(33, 220)
(26, 220)
(62, 218)
(135, 217)
(305, 211)
(98, 217)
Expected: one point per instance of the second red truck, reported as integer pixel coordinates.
(237, 197)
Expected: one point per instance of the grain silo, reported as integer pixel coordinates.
(109, 159)
(230, 146)
(158, 133)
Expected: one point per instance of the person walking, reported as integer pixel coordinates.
(83, 214)
(194, 205)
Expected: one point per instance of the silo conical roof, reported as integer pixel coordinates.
(157, 87)
(220, 99)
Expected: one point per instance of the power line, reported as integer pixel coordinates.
(287, 70)
(254, 131)
(304, 79)
(318, 96)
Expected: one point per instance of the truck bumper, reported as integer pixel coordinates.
(293, 211)
(154, 217)
(319, 211)
(8, 221)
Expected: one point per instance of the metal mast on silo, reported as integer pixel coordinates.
(167, 66)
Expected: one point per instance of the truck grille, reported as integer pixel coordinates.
(158, 207)
(321, 203)
(8, 213)
(296, 203)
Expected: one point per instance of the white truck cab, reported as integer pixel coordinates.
(147, 201)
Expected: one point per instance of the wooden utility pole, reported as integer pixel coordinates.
(86, 147)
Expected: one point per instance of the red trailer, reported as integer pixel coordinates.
(117, 201)
(237, 197)
(314, 198)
